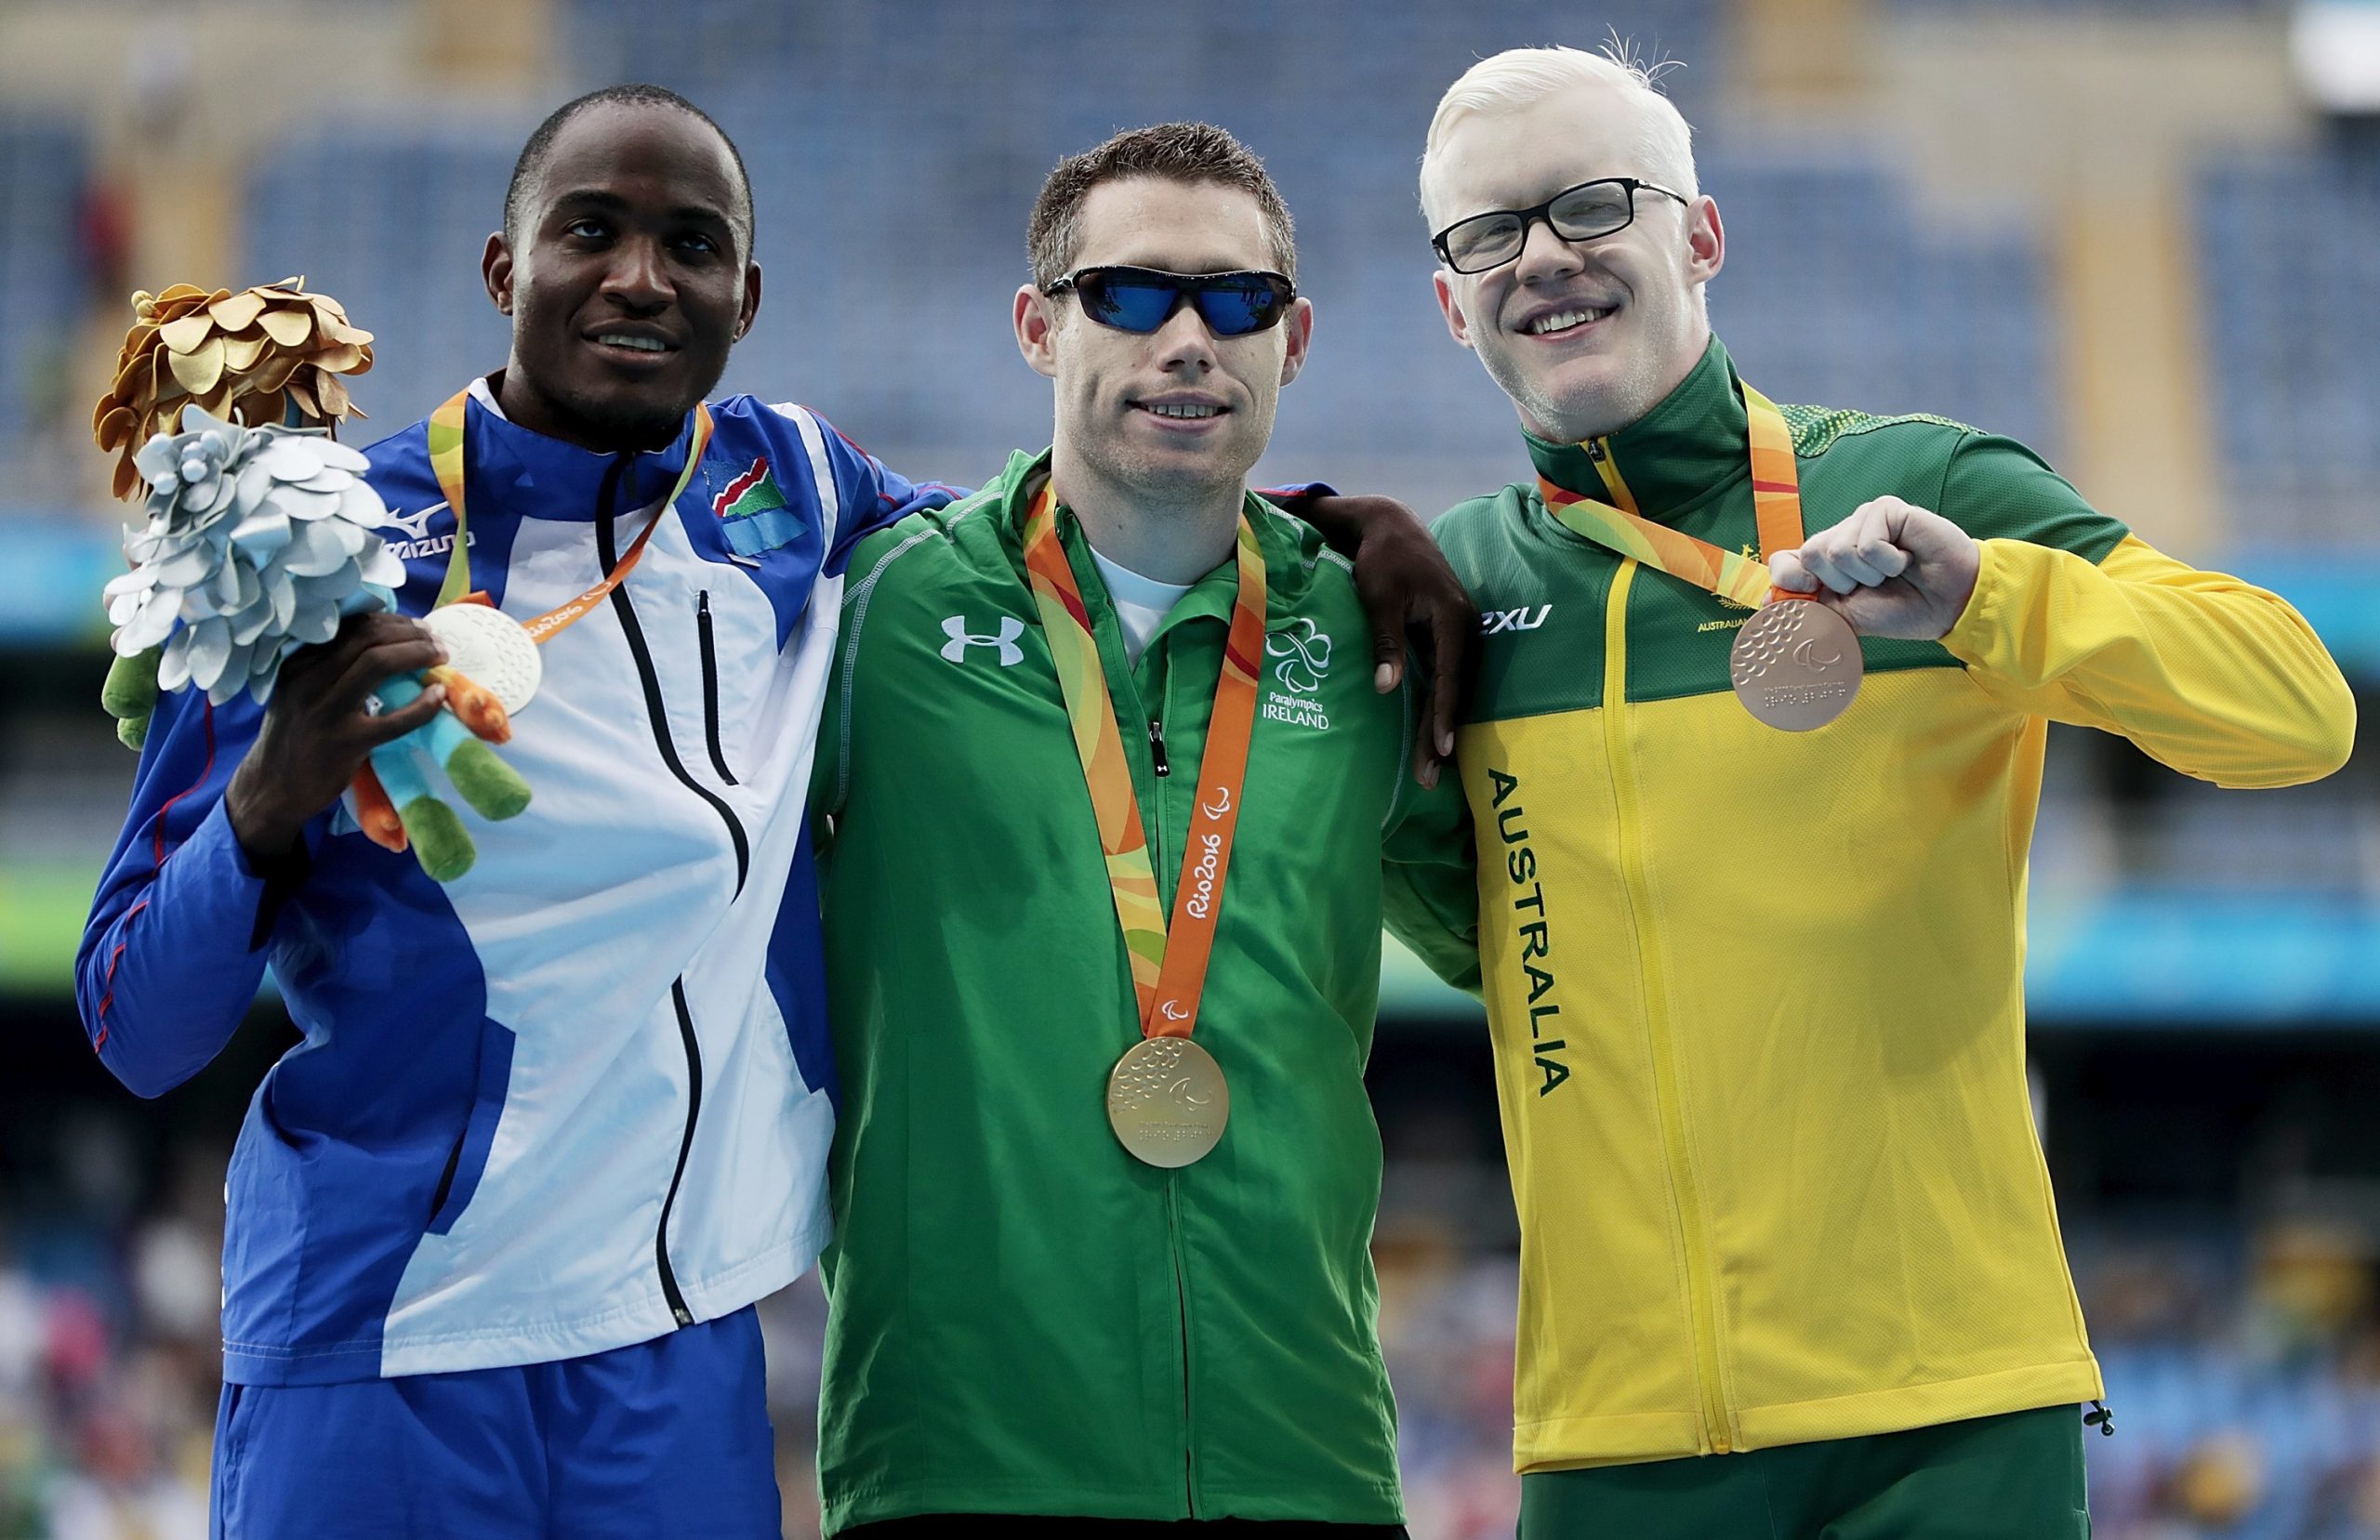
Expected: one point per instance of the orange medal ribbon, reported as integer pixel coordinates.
(1795, 666)
(446, 463)
(1169, 961)
(1777, 505)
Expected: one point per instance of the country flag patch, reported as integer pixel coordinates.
(753, 512)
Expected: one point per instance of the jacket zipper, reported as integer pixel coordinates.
(446, 1177)
(1700, 1304)
(1155, 801)
(1148, 795)
(710, 686)
(669, 1292)
(1182, 1300)
(655, 707)
(606, 552)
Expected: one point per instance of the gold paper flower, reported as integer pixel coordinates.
(247, 358)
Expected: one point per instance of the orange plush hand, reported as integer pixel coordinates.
(375, 812)
(475, 705)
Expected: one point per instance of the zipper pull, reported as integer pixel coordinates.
(2101, 1418)
(1156, 745)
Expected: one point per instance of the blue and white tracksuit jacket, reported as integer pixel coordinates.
(582, 1095)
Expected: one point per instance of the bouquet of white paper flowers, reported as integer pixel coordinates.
(258, 541)
(262, 539)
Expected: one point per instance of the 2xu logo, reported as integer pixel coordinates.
(955, 627)
(1521, 619)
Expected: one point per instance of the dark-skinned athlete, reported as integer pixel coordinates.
(495, 1227)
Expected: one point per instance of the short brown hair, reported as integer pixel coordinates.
(1189, 152)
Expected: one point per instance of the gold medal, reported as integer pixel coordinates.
(1166, 1102)
(1166, 1097)
(1796, 664)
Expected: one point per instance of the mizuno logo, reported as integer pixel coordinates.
(418, 541)
(955, 627)
(1513, 620)
(415, 526)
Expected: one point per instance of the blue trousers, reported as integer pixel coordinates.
(670, 1437)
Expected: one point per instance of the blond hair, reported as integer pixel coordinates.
(1519, 76)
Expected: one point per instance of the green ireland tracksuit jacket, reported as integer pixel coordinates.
(1026, 1319)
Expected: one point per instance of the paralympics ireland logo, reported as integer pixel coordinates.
(1011, 629)
(1305, 654)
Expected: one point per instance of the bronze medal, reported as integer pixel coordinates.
(1166, 1102)
(1796, 664)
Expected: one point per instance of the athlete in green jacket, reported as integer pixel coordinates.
(1038, 1307)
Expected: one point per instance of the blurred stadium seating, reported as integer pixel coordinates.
(44, 172)
(1840, 290)
(2287, 237)
(2205, 966)
(398, 215)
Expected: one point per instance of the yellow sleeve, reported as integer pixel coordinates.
(2211, 675)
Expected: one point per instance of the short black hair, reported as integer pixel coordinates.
(1192, 153)
(630, 94)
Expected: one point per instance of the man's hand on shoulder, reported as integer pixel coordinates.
(1892, 570)
(1404, 580)
(316, 733)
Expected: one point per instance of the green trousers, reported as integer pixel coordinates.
(2017, 1477)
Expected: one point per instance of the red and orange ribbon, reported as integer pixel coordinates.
(446, 426)
(1169, 961)
(1618, 526)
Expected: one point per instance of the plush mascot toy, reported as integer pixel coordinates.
(260, 540)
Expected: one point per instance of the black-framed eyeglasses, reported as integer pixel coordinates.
(1581, 212)
(1141, 299)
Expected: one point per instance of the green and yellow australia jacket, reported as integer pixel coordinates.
(1026, 1319)
(1756, 996)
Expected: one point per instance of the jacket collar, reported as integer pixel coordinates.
(1285, 573)
(1691, 445)
(515, 470)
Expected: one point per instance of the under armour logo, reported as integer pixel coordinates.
(961, 638)
(1304, 653)
(414, 525)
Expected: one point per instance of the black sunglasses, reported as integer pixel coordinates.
(1141, 299)
(1603, 206)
